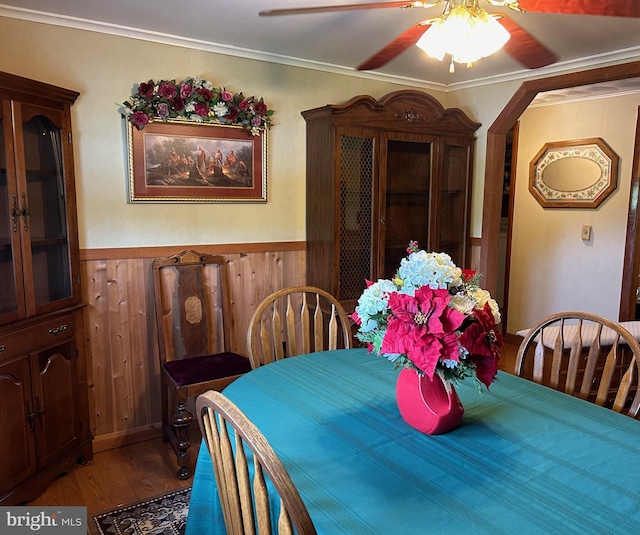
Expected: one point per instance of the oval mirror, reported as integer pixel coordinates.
(569, 174)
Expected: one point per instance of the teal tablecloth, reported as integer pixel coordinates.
(526, 459)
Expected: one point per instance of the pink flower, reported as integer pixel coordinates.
(139, 119)
(244, 105)
(256, 121)
(423, 328)
(186, 90)
(226, 96)
(483, 341)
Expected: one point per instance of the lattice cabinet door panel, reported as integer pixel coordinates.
(379, 174)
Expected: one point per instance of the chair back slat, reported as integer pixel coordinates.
(585, 355)
(318, 327)
(261, 495)
(606, 377)
(246, 494)
(333, 329)
(574, 356)
(284, 522)
(292, 338)
(557, 359)
(304, 327)
(314, 321)
(590, 369)
(244, 486)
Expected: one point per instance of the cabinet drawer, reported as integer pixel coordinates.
(35, 337)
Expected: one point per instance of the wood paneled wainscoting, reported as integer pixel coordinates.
(121, 336)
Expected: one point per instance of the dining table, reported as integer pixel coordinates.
(526, 459)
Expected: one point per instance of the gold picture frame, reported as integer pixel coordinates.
(183, 161)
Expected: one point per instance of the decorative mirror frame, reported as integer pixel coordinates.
(591, 196)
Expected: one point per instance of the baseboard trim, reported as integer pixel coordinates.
(110, 441)
(512, 339)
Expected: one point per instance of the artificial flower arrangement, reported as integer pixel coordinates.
(195, 99)
(429, 318)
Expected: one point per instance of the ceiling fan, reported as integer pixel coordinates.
(522, 46)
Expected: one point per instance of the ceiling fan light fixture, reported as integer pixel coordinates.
(466, 32)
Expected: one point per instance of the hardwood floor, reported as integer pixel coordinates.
(508, 357)
(140, 471)
(117, 477)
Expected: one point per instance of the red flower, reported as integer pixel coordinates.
(168, 91)
(177, 104)
(146, 90)
(205, 93)
(260, 108)
(483, 341)
(139, 119)
(232, 115)
(423, 328)
(201, 109)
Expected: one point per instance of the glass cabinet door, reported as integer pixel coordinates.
(11, 304)
(407, 183)
(43, 204)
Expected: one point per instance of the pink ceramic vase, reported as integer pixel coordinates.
(426, 405)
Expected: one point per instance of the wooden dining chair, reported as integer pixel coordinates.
(242, 487)
(584, 355)
(194, 333)
(296, 321)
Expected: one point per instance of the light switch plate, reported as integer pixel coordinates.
(585, 233)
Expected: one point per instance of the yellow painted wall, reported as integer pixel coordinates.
(552, 269)
(105, 70)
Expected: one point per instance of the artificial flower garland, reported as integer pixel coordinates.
(197, 100)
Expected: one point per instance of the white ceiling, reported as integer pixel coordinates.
(336, 42)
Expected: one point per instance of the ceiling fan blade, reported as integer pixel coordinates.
(345, 7)
(604, 8)
(395, 47)
(525, 48)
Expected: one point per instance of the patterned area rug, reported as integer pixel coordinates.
(163, 515)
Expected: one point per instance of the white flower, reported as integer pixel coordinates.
(196, 118)
(435, 270)
(482, 297)
(374, 301)
(463, 303)
(220, 109)
(190, 107)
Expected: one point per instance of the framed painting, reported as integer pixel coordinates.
(182, 161)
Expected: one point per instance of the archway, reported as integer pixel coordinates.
(494, 172)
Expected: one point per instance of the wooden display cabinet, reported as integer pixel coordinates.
(379, 174)
(44, 415)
